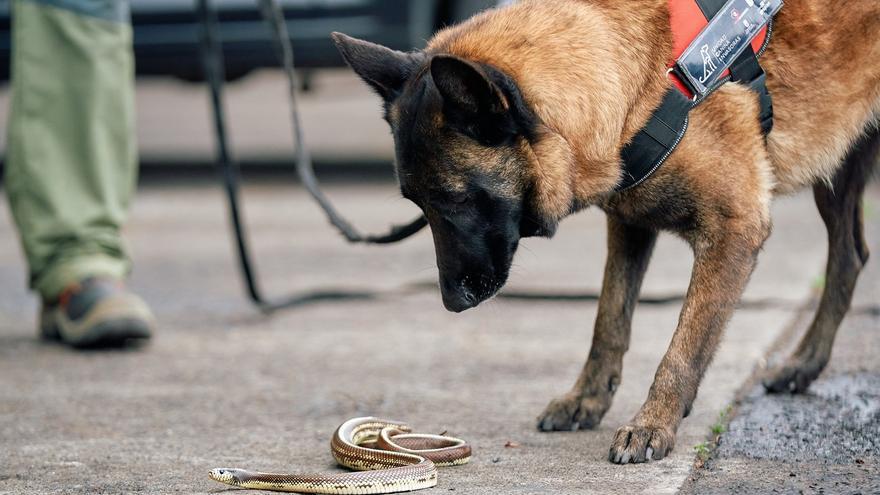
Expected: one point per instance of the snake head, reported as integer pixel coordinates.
(227, 475)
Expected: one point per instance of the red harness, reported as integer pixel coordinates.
(686, 21)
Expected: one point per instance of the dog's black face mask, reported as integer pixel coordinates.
(476, 234)
(459, 132)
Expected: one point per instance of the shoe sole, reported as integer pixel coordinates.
(113, 333)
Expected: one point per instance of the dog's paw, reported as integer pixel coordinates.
(793, 376)
(573, 412)
(637, 443)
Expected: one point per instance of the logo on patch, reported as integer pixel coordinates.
(709, 66)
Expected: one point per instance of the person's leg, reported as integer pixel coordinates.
(71, 163)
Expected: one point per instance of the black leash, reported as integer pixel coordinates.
(274, 16)
(213, 64)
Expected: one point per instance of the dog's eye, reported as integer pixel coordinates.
(446, 199)
(459, 198)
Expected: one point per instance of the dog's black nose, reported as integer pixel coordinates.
(468, 296)
(457, 297)
(457, 304)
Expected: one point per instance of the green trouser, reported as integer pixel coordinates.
(71, 164)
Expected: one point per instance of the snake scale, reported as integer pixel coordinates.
(385, 455)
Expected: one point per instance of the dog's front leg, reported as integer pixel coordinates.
(724, 258)
(629, 250)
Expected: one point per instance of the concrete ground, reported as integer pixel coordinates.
(223, 385)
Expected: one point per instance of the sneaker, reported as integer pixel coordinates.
(96, 312)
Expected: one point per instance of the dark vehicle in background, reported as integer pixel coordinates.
(166, 32)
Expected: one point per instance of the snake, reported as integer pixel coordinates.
(385, 455)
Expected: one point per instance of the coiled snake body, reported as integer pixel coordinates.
(388, 458)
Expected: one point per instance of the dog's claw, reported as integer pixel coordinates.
(794, 376)
(635, 443)
(571, 412)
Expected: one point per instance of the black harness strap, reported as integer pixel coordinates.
(655, 142)
(746, 69)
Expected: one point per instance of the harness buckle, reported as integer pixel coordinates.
(681, 82)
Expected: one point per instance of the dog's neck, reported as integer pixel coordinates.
(591, 70)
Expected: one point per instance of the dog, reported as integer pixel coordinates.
(516, 118)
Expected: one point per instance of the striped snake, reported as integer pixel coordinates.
(387, 456)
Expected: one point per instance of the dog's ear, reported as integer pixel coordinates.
(471, 100)
(465, 86)
(384, 69)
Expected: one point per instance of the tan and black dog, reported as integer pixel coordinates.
(516, 118)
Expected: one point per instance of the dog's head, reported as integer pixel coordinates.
(461, 132)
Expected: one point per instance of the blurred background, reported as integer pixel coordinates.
(342, 121)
